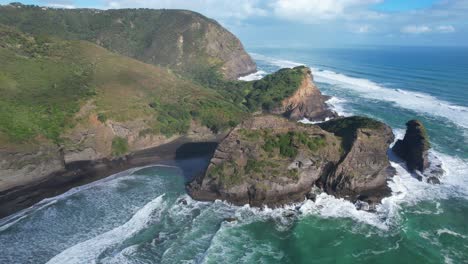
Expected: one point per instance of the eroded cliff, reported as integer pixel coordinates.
(269, 160)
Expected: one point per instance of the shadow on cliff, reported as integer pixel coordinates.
(193, 158)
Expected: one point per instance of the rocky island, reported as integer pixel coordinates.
(269, 160)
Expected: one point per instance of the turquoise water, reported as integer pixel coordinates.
(144, 216)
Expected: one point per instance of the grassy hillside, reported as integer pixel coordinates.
(182, 40)
(44, 82)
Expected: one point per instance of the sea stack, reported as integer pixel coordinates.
(413, 149)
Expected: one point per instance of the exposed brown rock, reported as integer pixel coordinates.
(19, 167)
(365, 168)
(307, 102)
(245, 170)
(413, 149)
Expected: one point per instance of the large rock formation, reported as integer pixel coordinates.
(364, 169)
(413, 149)
(269, 160)
(306, 102)
(179, 39)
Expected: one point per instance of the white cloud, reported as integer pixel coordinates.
(68, 4)
(238, 9)
(412, 29)
(445, 29)
(60, 6)
(318, 10)
(362, 29)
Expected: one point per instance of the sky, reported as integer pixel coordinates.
(318, 23)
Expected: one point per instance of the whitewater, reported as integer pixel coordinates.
(144, 215)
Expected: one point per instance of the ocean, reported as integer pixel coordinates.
(143, 215)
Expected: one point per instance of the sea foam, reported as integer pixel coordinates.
(89, 251)
(415, 101)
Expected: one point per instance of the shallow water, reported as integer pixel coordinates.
(144, 215)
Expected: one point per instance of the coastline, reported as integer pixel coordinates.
(84, 172)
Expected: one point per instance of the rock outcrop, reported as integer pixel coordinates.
(414, 147)
(18, 167)
(306, 102)
(269, 160)
(364, 169)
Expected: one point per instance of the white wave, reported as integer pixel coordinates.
(338, 105)
(406, 189)
(276, 62)
(329, 206)
(254, 76)
(88, 251)
(419, 102)
(11, 220)
(449, 232)
(307, 121)
(239, 246)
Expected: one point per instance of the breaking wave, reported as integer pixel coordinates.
(415, 101)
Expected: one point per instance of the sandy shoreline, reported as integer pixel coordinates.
(80, 173)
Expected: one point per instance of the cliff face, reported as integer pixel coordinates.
(31, 163)
(413, 149)
(364, 169)
(182, 40)
(270, 160)
(306, 102)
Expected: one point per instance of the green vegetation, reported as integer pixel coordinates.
(175, 38)
(288, 143)
(119, 146)
(44, 84)
(172, 119)
(251, 134)
(41, 84)
(268, 92)
(227, 173)
(45, 80)
(256, 166)
(264, 94)
(416, 127)
(102, 117)
(293, 174)
(346, 127)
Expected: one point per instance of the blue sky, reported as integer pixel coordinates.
(319, 23)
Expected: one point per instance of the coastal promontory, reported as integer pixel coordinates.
(269, 160)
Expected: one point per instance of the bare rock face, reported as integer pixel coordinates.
(269, 160)
(19, 167)
(307, 102)
(413, 149)
(364, 169)
(222, 44)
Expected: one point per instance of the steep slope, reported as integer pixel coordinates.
(268, 160)
(182, 40)
(68, 101)
(306, 102)
(287, 92)
(414, 147)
